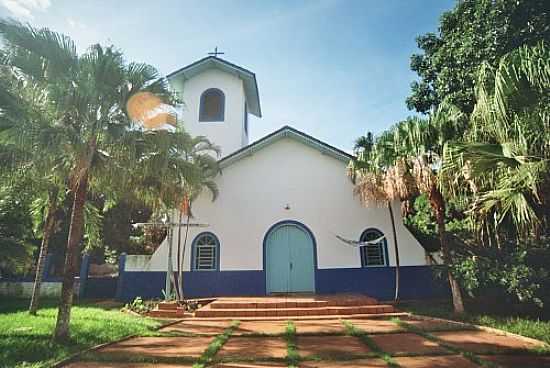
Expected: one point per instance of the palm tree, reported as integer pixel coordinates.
(408, 156)
(374, 187)
(48, 230)
(505, 158)
(199, 151)
(89, 94)
(174, 169)
(23, 102)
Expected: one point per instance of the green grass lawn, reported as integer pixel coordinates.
(25, 340)
(530, 327)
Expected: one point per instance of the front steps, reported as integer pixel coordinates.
(173, 310)
(307, 307)
(167, 310)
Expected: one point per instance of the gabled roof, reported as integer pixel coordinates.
(285, 132)
(248, 78)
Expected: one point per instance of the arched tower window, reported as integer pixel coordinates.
(374, 255)
(205, 253)
(212, 105)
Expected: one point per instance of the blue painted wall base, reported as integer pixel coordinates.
(417, 282)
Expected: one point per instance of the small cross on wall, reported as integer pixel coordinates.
(216, 52)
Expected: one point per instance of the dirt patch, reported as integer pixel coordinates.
(198, 327)
(455, 361)
(331, 346)
(406, 343)
(261, 327)
(514, 361)
(160, 346)
(258, 347)
(319, 327)
(484, 342)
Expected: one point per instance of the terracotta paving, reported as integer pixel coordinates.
(323, 343)
(251, 365)
(455, 361)
(257, 347)
(356, 363)
(375, 325)
(198, 327)
(260, 327)
(330, 346)
(319, 327)
(124, 365)
(523, 361)
(434, 325)
(483, 342)
(160, 346)
(406, 343)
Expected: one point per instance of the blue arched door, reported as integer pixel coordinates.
(289, 259)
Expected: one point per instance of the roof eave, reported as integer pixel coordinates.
(244, 74)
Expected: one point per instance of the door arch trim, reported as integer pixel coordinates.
(313, 240)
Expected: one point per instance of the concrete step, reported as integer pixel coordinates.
(269, 305)
(208, 311)
(291, 303)
(167, 306)
(167, 313)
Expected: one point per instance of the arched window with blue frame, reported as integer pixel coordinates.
(375, 254)
(205, 252)
(212, 105)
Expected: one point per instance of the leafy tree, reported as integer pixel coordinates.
(118, 233)
(474, 32)
(16, 238)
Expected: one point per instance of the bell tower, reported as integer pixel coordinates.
(217, 98)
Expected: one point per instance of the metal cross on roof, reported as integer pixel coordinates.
(216, 52)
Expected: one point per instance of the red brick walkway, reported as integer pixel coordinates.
(319, 343)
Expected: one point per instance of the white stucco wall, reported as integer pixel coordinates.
(254, 192)
(137, 262)
(229, 135)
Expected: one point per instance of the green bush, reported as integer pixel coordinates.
(512, 276)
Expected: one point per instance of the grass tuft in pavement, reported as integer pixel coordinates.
(293, 357)
(216, 344)
(365, 338)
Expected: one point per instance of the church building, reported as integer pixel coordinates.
(283, 199)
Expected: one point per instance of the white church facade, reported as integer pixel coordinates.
(282, 201)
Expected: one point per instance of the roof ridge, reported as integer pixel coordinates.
(317, 143)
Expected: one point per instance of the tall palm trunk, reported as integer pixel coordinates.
(170, 267)
(71, 257)
(396, 249)
(49, 226)
(183, 253)
(180, 271)
(438, 206)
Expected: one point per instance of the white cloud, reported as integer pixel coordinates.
(25, 8)
(75, 24)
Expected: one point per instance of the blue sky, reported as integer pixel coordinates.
(333, 68)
